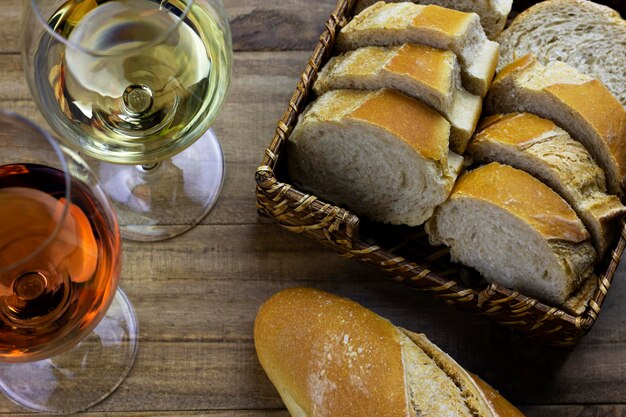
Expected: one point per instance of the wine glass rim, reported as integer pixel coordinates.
(97, 53)
(68, 188)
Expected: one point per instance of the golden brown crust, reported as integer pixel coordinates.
(499, 405)
(594, 103)
(337, 347)
(525, 197)
(329, 356)
(440, 19)
(595, 114)
(517, 66)
(424, 64)
(513, 128)
(416, 124)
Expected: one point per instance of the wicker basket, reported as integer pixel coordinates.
(403, 253)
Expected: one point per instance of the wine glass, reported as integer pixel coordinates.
(60, 258)
(134, 84)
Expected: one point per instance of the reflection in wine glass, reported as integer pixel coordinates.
(60, 259)
(136, 82)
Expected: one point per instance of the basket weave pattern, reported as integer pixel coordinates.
(428, 268)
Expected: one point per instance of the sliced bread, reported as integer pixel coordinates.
(427, 74)
(579, 104)
(493, 13)
(381, 154)
(389, 24)
(588, 36)
(516, 231)
(546, 151)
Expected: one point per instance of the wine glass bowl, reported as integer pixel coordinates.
(128, 81)
(60, 261)
(136, 83)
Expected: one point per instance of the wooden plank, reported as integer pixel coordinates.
(196, 298)
(612, 410)
(282, 25)
(255, 24)
(261, 88)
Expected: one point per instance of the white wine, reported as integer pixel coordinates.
(136, 81)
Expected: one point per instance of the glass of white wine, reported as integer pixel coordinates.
(136, 85)
(68, 336)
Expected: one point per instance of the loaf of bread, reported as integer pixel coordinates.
(380, 153)
(515, 231)
(430, 75)
(493, 13)
(330, 357)
(547, 152)
(389, 24)
(588, 36)
(579, 104)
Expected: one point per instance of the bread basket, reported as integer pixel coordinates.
(404, 253)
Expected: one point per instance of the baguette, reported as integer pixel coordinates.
(577, 103)
(382, 154)
(392, 24)
(427, 74)
(515, 231)
(594, 42)
(493, 13)
(328, 356)
(542, 149)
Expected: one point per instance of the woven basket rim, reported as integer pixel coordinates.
(340, 228)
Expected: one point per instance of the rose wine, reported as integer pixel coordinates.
(140, 79)
(59, 261)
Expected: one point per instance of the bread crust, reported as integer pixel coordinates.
(525, 197)
(427, 74)
(544, 150)
(583, 107)
(304, 336)
(400, 115)
(493, 13)
(591, 34)
(384, 24)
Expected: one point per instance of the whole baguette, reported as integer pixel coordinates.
(577, 103)
(328, 356)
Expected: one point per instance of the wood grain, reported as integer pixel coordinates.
(256, 25)
(196, 296)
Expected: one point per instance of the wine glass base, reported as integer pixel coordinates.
(168, 198)
(83, 376)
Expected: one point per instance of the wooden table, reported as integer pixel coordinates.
(196, 296)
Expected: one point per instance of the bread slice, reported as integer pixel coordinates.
(493, 13)
(542, 149)
(329, 356)
(382, 154)
(588, 36)
(389, 24)
(427, 74)
(579, 104)
(516, 231)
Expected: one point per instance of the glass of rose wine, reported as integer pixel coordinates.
(136, 85)
(67, 333)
